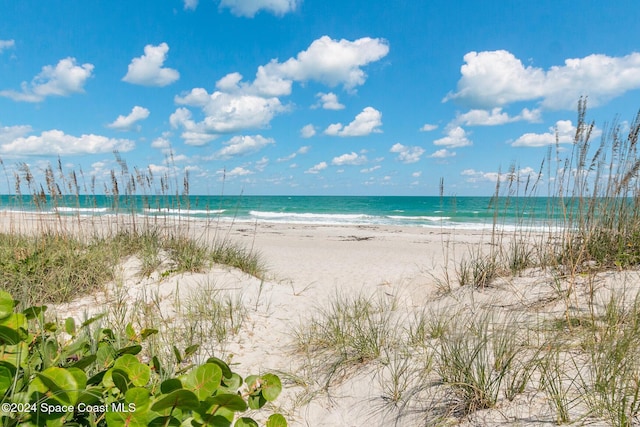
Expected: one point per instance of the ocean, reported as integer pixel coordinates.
(437, 212)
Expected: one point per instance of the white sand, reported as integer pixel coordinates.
(308, 265)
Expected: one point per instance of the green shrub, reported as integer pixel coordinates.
(53, 375)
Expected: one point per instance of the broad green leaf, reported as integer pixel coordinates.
(256, 401)
(204, 380)
(233, 402)
(85, 362)
(15, 355)
(15, 321)
(245, 422)
(226, 371)
(183, 399)
(70, 326)
(139, 373)
(6, 378)
(6, 304)
(9, 336)
(233, 382)
(80, 377)
(120, 379)
(165, 421)
(271, 387)
(276, 420)
(34, 312)
(132, 349)
(167, 386)
(60, 382)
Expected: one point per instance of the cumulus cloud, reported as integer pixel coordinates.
(124, 123)
(56, 142)
(62, 80)
(237, 171)
(365, 123)
(237, 105)
(6, 44)
(161, 143)
(428, 127)
(496, 117)
(328, 61)
(317, 168)
(480, 176)
(456, 137)
(407, 154)
(9, 133)
(248, 8)
(349, 159)
(242, 145)
(563, 131)
(147, 69)
(224, 113)
(307, 131)
(442, 154)
(328, 101)
(497, 78)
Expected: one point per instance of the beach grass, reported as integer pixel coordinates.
(447, 358)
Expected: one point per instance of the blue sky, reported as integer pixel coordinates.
(310, 97)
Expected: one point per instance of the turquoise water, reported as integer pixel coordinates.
(459, 212)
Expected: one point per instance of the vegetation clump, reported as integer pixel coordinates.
(54, 375)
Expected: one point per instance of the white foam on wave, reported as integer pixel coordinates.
(419, 218)
(66, 209)
(185, 211)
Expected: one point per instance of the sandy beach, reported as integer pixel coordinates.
(311, 267)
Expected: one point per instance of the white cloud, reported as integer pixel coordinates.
(190, 4)
(126, 122)
(224, 113)
(56, 142)
(495, 117)
(417, 174)
(262, 164)
(237, 171)
(6, 44)
(371, 169)
(248, 8)
(238, 105)
(407, 154)
(242, 145)
(428, 127)
(162, 143)
(365, 123)
(9, 133)
(442, 154)
(329, 101)
(327, 61)
(62, 80)
(302, 150)
(317, 168)
(147, 69)
(497, 78)
(480, 176)
(456, 137)
(349, 159)
(308, 131)
(564, 130)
